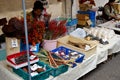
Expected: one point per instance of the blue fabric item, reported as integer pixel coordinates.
(72, 22)
(2, 54)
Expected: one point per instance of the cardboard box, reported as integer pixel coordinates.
(82, 22)
(85, 22)
(117, 7)
(89, 22)
(82, 16)
(12, 48)
(85, 7)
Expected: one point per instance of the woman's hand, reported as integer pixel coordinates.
(116, 17)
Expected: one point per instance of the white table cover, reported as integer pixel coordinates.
(86, 66)
(104, 50)
(72, 74)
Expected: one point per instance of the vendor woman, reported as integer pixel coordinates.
(109, 11)
(38, 19)
(38, 13)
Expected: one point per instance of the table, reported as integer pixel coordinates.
(91, 61)
(114, 45)
(104, 50)
(110, 25)
(6, 72)
(80, 70)
(88, 64)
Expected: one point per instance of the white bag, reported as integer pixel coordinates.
(79, 33)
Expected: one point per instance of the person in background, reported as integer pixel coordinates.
(87, 1)
(45, 5)
(109, 11)
(38, 19)
(38, 13)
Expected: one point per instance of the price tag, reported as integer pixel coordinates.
(33, 48)
(89, 22)
(14, 43)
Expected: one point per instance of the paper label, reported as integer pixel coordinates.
(14, 43)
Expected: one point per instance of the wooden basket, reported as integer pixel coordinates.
(64, 42)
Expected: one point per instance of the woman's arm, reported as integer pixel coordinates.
(111, 13)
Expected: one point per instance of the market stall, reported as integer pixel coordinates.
(87, 65)
(90, 62)
(92, 57)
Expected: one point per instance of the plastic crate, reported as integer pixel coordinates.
(60, 69)
(67, 51)
(93, 22)
(57, 71)
(11, 60)
(41, 76)
(92, 14)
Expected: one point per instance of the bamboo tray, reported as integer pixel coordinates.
(63, 41)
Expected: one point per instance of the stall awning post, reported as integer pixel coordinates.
(71, 8)
(26, 37)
